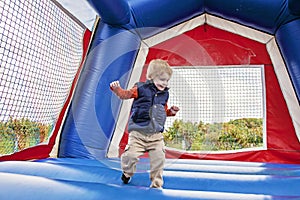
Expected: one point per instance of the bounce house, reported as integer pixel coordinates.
(231, 60)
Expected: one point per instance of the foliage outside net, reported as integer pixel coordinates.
(221, 108)
(40, 53)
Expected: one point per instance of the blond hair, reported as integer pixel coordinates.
(157, 67)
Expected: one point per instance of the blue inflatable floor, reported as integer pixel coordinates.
(66, 178)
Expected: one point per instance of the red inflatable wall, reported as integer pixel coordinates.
(226, 48)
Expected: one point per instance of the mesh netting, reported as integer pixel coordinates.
(220, 106)
(217, 94)
(40, 53)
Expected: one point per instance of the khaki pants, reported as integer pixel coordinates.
(138, 144)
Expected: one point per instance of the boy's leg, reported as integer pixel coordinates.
(157, 160)
(130, 157)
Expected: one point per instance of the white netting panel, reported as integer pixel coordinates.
(217, 94)
(40, 52)
(221, 108)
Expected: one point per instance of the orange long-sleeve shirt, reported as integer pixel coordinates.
(133, 93)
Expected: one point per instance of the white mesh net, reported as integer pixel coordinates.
(40, 53)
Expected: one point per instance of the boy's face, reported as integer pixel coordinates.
(161, 81)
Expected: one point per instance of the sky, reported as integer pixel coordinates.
(82, 10)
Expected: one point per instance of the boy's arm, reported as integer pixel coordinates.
(124, 94)
(172, 111)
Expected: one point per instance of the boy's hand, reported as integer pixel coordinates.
(114, 84)
(174, 109)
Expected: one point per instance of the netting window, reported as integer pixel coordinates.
(40, 53)
(221, 108)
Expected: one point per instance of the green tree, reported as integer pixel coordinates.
(235, 134)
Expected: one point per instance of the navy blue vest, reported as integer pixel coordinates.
(148, 113)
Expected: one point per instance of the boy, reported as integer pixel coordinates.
(146, 124)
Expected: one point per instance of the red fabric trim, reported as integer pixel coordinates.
(268, 156)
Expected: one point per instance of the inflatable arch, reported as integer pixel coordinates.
(131, 33)
(127, 36)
